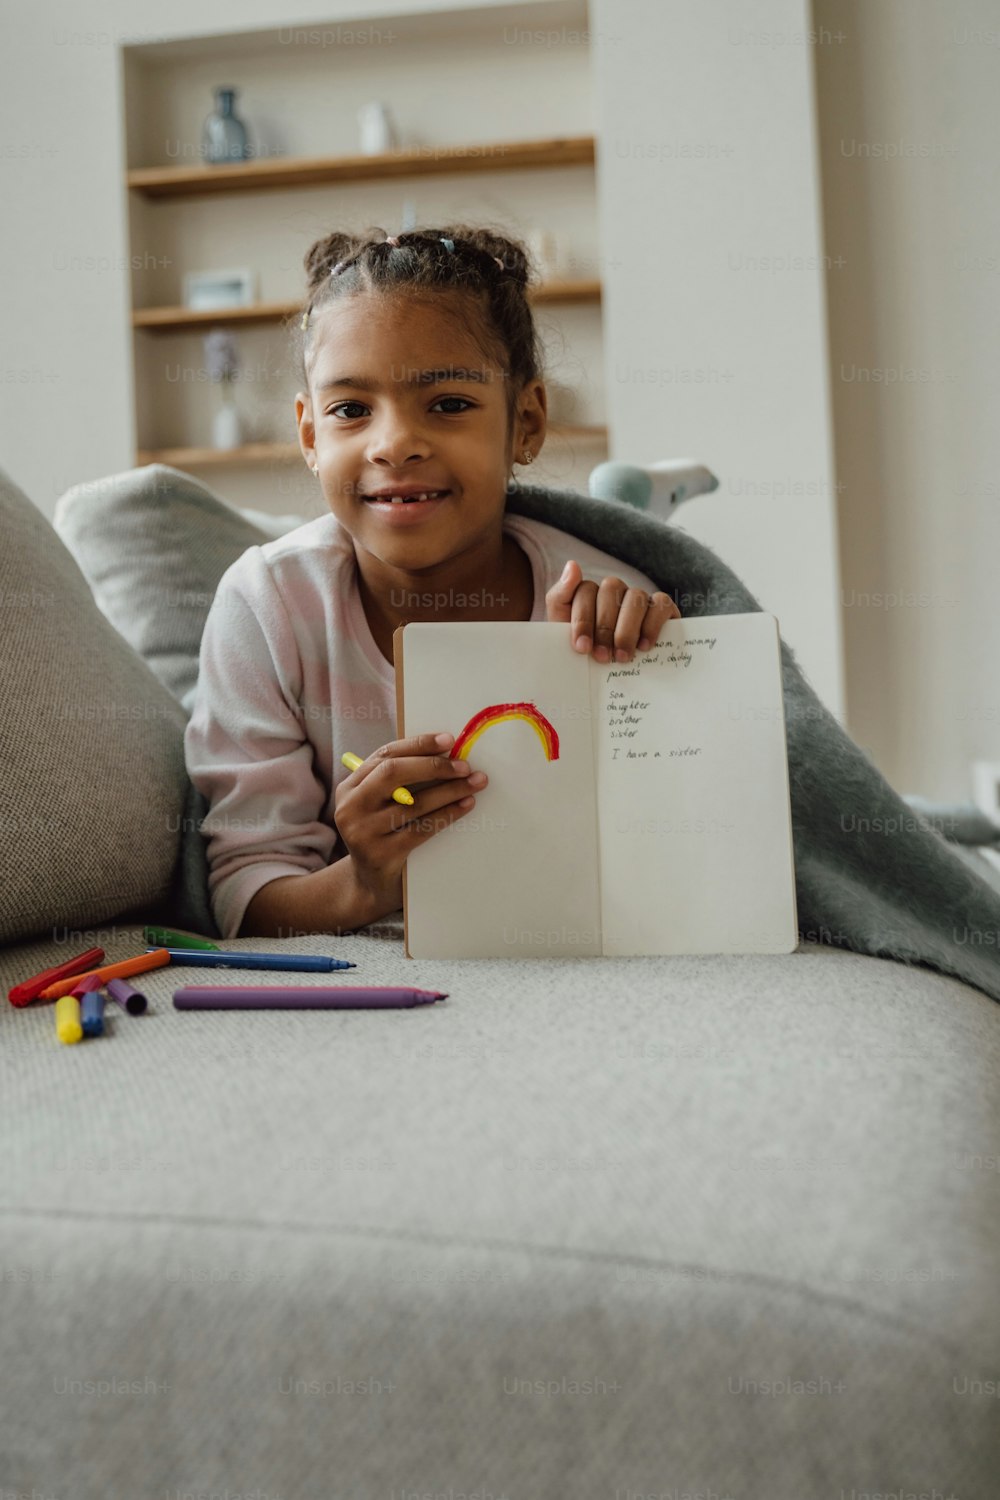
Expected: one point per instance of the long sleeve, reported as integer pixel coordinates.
(246, 746)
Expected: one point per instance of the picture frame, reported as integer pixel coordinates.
(206, 291)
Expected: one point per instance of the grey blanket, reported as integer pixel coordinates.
(871, 874)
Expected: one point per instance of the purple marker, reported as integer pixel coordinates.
(129, 999)
(299, 997)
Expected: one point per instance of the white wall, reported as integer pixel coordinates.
(917, 462)
(708, 167)
(910, 124)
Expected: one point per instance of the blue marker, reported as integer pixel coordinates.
(92, 1012)
(222, 960)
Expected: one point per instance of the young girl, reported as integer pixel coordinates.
(420, 369)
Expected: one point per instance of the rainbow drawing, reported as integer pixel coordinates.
(495, 714)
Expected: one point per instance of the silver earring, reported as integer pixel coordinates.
(529, 457)
(315, 468)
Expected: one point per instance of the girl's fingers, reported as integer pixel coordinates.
(559, 599)
(612, 601)
(640, 618)
(432, 809)
(582, 616)
(661, 609)
(611, 619)
(420, 758)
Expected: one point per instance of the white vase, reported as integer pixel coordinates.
(227, 430)
(376, 129)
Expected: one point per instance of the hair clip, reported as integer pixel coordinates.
(390, 239)
(449, 245)
(338, 267)
(499, 262)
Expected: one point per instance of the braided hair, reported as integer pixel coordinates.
(489, 270)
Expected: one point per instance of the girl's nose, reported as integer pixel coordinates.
(396, 445)
(391, 462)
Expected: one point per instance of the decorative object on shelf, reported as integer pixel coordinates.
(224, 135)
(222, 362)
(546, 253)
(209, 290)
(378, 133)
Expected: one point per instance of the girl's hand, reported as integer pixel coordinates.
(612, 618)
(378, 832)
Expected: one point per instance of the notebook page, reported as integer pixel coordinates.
(517, 876)
(694, 818)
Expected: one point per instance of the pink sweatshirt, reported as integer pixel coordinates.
(289, 679)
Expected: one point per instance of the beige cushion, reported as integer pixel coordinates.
(93, 783)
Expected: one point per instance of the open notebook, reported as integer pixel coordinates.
(634, 808)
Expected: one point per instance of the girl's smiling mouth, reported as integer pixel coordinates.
(405, 494)
(407, 505)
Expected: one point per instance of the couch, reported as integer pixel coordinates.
(692, 1226)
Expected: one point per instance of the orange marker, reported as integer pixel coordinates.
(154, 960)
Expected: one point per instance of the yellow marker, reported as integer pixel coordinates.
(68, 1025)
(352, 762)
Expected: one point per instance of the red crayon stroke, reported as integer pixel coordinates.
(495, 714)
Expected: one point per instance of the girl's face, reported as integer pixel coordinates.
(401, 395)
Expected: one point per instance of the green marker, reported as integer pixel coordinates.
(165, 937)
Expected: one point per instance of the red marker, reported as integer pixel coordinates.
(30, 989)
(86, 983)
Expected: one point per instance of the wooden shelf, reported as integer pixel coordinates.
(277, 172)
(261, 453)
(176, 319)
(304, 171)
(198, 458)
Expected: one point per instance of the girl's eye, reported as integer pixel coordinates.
(339, 408)
(454, 398)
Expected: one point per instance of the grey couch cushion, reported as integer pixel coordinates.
(753, 1201)
(153, 543)
(93, 786)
